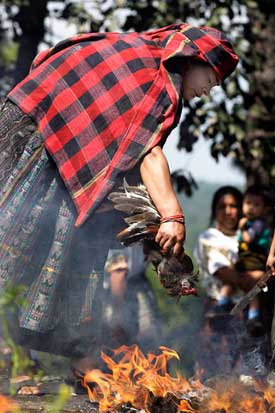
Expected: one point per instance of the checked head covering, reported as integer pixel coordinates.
(213, 48)
(103, 100)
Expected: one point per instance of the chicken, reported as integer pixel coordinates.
(176, 273)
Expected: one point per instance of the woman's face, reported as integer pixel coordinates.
(227, 214)
(198, 81)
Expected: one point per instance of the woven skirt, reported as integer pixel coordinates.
(56, 268)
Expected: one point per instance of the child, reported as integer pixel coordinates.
(254, 236)
(254, 231)
(254, 241)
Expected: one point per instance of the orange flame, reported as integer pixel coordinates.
(269, 395)
(134, 378)
(140, 381)
(232, 396)
(7, 405)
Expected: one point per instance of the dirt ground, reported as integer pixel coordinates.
(35, 404)
(49, 389)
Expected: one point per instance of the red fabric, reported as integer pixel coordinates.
(103, 100)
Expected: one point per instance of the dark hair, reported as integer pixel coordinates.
(261, 191)
(225, 190)
(182, 64)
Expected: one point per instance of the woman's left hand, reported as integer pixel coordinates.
(171, 236)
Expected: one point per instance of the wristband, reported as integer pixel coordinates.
(180, 221)
(173, 218)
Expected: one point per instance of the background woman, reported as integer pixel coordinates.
(216, 252)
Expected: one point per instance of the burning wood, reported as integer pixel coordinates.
(136, 379)
(139, 383)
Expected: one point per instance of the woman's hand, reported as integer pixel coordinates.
(171, 236)
(245, 280)
(270, 264)
(242, 222)
(248, 279)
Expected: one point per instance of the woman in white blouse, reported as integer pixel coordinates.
(216, 252)
(217, 247)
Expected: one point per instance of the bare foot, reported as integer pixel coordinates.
(25, 385)
(29, 390)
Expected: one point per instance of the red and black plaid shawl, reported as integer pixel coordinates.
(103, 100)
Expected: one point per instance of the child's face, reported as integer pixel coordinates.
(253, 206)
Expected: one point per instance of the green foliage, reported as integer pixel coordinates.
(10, 301)
(63, 396)
(8, 52)
(76, 13)
(244, 123)
(18, 3)
(246, 115)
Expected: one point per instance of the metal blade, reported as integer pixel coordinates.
(260, 286)
(243, 303)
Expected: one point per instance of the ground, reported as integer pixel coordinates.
(33, 404)
(49, 388)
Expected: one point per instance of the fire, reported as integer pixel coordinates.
(142, 382)
(135, 379)
(269, 395)
(7, 405)
(230, 396)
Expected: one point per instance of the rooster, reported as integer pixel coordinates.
(176, 273)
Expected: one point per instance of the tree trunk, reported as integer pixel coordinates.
(31, 21)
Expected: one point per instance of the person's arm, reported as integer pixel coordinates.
(245, 280)
(246, 237)
(249, 234)
(270, 263)
(228, 275)
(155, 175)
(118, 285)
(245, 234)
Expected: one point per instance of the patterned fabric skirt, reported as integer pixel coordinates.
(60, 267)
